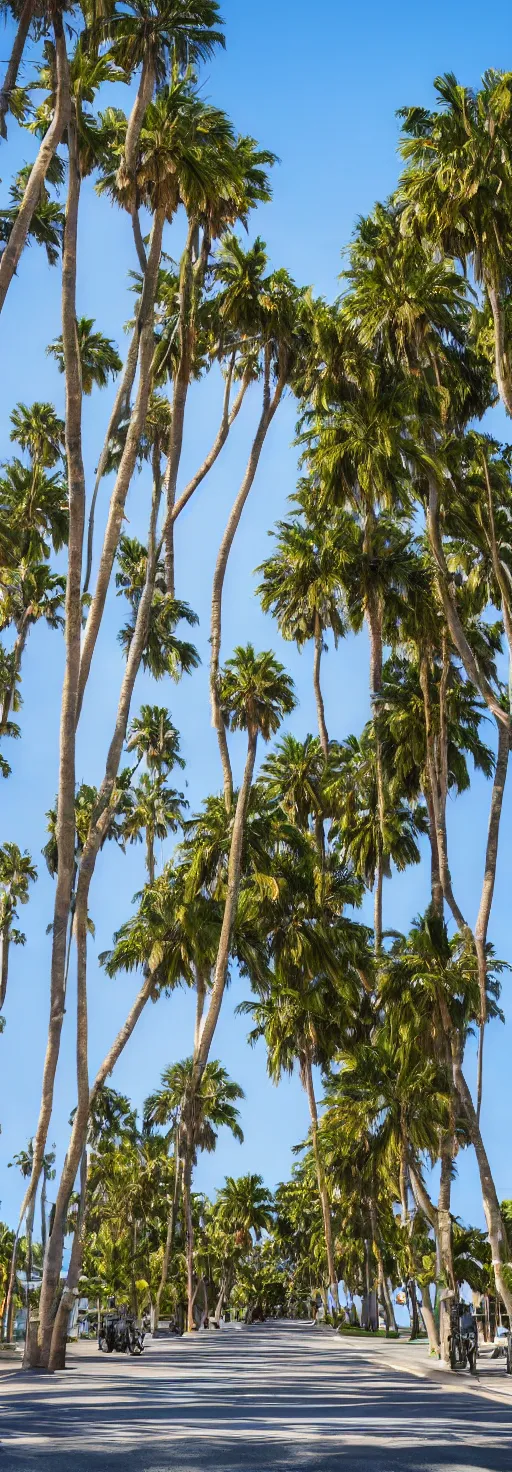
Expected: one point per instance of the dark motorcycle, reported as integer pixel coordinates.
(463, 1337)
(120, 1332)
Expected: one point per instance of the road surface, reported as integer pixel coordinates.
(262, 1399)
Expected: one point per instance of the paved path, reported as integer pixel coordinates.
(263, 1399)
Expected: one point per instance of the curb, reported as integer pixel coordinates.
(435, 1372)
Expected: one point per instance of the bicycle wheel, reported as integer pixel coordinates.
(472, 1359)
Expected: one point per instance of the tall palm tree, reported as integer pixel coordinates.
(457, 189)
(17, 871)
(153, 738)
(195, 1114)
(301, 586)
(34, 593)
(99, 358)
(243, 1210)
(156, 809)
(255, 694)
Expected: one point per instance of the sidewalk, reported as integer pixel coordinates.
(399, 1354)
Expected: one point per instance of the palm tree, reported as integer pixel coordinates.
(156, 809)
(457, 189)
(242, 1211)
(17, 871)
(284, 339)
(195, 1114)
(372, 848)
(163, 652)
(255, 693)
(153, 738)
(99, 358)
(37, 174)
(39, 430)
(162, 42)
(301, 586)
(23, 15)
(34, 593)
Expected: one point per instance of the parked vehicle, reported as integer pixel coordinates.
(119, 1331)
(463, 1337)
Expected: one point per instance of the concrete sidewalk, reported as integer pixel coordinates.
(415, 1358)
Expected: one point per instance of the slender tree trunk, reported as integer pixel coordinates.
(384, 1285)
(11, 75)
(451, 613)
(436, 887)
(57, 1360)
(228, 418)
(496, 1229)
(73, 624)
(320, 709)
(428, 1315)
(128, 458)
(438, 796)
(28, 1273)
(503, 375)
(120, 405)
(51, 140)
(179, 401)
(377, 906)
(228, 919)
(4, 967)
(200, 1001)
(307, 1077)
(48, 1303)
(144, 95)
(189, 1234)
(17, 654)
(486, 899)
(51, 1272)
(269, 407)
(169, 1242)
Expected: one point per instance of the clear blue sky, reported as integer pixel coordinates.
(320, 87)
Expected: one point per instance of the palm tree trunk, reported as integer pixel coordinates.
(52, 1266)
(51, 140)
(128, 458)
(91, 849)
(189, 1234)
(384, 1285)
(428, 1315)
(438, 796)
(4, 965)
(73, 627)
(120, 404)
(451, 613)
(228, 418)
(11, 75)
(495, 293)
(496, 1229)
(307, 1076)
(57, 1360)
(436, 888)
(377, 906)
(269, 407)
(17, 654)
(320, 709)
(200, 1001)
(144, 95)
(169, 1242)
(179, 401)
(228, 919)
(48, 1303)
(486, 899)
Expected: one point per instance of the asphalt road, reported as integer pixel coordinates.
(270, 1397)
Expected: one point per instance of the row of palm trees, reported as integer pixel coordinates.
(399, 524)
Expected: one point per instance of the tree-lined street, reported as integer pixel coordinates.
(277, 1396)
